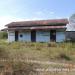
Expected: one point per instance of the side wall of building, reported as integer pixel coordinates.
(70, 35)
(60, 36)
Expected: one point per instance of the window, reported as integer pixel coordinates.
(21, 35)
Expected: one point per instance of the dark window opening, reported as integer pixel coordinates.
(16, 35)
(21, 35)
(53, 35)
(33, 36)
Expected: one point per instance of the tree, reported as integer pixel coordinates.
(71, 25)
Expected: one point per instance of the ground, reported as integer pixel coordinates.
(24, 58)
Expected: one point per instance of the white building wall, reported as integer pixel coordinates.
(26, 36)
(11, 36)
(42, 36)
(60, 36)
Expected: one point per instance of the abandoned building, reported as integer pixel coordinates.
(37, 31)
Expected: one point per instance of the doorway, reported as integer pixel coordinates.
(16, 35)
(33, 36)
(53, 35)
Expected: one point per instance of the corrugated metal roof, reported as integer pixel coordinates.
(36, 28)
(39, 22)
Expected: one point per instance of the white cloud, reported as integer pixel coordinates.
(71, 27)
(44, 12)
(39, 13)
(6, 2)
(7, 19)
(52, 12)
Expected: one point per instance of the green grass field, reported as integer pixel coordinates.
(56, 52)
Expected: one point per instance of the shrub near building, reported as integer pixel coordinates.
(3, 35)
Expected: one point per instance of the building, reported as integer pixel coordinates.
(70, 32)
(37, 31)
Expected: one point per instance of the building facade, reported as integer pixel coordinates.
(37, 31)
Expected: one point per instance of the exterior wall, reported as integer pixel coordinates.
(42, 36)
(24, 36)
(70, 35)
(11, 36)
(60, 36)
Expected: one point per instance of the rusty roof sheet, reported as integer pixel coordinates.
(36, 28)
(39, 22)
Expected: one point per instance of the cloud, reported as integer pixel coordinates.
(6, 2)
(71, 27)
(44, 12)
(39, 12)
(7, 19)
(52, 12)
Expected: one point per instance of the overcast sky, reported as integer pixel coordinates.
(20, 10)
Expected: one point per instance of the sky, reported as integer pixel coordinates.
(22, 10)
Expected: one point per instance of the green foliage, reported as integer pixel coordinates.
(3, 35)
(64, 56)
(3, 53)
(34, 51)
(20, 68)
(41, 51)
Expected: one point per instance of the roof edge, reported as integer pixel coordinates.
(66, 21)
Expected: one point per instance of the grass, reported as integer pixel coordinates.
(39, 51)
(60, 52)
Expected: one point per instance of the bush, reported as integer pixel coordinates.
(52, 44)
(3, 53)
(64, 56)
(3, 35)
(24, 68)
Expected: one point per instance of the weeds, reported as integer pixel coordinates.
(3, 53)
(24, 68)
(64, 56)
(38, 51)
